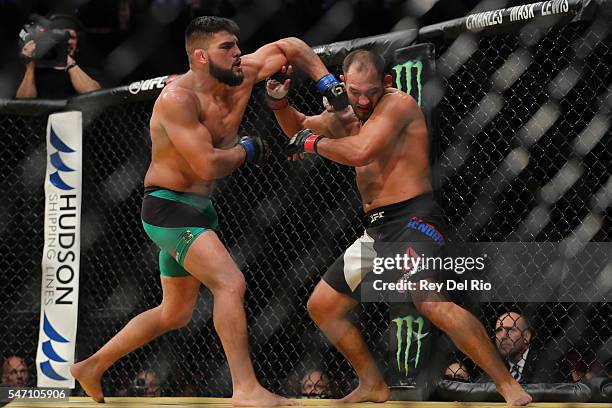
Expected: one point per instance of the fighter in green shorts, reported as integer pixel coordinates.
(194, 143)
(173, 220)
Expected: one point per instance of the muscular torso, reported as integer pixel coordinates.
(400, 172)
(220, 115)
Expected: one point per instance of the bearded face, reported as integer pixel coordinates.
(232, 77)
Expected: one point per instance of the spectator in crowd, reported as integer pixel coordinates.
(457, 372)
(513, 335)
(61, 81)
(146, 384)
(513, 339)
(315, 384)
(15, 372)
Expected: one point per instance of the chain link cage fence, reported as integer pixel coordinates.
(525, 148)
(523, 153)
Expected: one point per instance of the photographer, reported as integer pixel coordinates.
(48, 73)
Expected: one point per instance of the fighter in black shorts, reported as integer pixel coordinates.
(412, 226)
(384, 136)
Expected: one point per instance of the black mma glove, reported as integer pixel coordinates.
(304, 141)
(256, 149)
(334, 91)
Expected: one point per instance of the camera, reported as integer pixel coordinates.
(51, 44)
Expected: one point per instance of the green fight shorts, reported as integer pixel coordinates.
(173, 220)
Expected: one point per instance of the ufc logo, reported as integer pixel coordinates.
(377, 216)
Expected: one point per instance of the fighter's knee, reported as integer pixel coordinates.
(423, 307)
(238, 284)
(317, 308)
(172, 319)
(183, 319)
(232, 284)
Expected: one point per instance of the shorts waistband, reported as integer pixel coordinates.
(199, 201)
(422, 205)
(152, 189)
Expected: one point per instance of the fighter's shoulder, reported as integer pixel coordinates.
(398, 99)
(176, 97)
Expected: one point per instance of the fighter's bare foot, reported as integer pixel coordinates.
(514, 394)
(259, 397)
(367, 393)
(89, 380)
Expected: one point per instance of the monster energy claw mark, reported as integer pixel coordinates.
(408, 66)
(410, 321)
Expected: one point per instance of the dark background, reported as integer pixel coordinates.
(128, 40)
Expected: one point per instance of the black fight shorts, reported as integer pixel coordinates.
(412, 227)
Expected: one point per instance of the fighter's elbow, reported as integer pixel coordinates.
(363, 157)
(290, 46)
(204, 170)
(291, 41)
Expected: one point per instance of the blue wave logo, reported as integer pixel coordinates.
(58, 163)
(49, 352)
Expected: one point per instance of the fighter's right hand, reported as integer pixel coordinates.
(276, 92)
(304, 141)
(334, 91)
(256, 149)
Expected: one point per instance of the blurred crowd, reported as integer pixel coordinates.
(121, 41)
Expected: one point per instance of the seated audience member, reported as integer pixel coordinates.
(15, 372)
(457, 372)
(146, 384)
(513, 339)
(315, 384)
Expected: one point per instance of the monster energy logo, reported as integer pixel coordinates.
(410, 322)
(408, 67)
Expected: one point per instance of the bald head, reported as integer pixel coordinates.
(364, 61)
(513, 335)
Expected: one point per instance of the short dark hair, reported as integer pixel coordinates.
(364, 59)
(202, 28)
